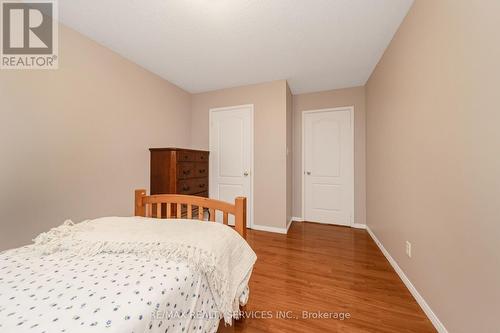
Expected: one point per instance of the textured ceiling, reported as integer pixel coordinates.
(203, 45)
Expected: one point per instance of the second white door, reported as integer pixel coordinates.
(328, 166)
(231, 156)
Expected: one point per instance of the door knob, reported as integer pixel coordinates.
(308, 173)
(246, 173)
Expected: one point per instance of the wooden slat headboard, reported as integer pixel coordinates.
(172, 205)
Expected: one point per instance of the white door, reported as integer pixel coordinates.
(328, 166)
(231, 163)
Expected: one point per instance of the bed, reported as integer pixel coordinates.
(132, 274)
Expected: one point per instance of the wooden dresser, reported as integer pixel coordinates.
(179, 171)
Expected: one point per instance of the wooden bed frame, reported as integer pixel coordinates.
(152, 206)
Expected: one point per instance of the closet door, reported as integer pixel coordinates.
(328, 166)
(231, 156)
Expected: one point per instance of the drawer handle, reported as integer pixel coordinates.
(201, 185)
(186, 172)
(202, 157)
(202, 170)
(185, 188)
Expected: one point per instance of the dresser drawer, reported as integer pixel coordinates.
(185, 155)
(201, 169)
(192, 186)
(201, 185)
(202, 156)
(186, 170)
(186, 186)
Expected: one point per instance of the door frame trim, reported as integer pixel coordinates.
(211, 111)
(351, 115)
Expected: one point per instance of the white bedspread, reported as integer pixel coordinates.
(106, 293)
(214, 249)
(102, 279)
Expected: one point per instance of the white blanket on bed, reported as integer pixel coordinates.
(105, 293)
(214, 249)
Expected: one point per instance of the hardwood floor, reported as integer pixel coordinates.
(329, 269)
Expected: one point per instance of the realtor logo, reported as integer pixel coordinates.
(29, 35)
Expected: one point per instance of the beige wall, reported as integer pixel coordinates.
(74, 141)
(433, 152)
(269, 100)
(330, 99)
(289, 156)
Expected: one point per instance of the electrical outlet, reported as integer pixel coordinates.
(408, 249)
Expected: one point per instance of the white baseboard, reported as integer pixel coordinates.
(269, 229)
(274, 229)
(420, 300)
(355, 225)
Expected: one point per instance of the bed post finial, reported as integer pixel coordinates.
(139, 204)
(241, 216)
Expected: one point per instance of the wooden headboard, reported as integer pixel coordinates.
(173, 205)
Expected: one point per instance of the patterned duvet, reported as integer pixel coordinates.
(104, 293)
